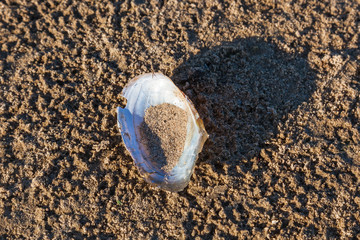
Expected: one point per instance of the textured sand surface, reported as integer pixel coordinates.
(277, 85)
(163, 133)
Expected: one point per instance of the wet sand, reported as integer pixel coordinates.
(277, 86)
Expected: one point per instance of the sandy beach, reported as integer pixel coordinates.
(277, 84)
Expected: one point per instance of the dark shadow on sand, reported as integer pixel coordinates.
(243, 90)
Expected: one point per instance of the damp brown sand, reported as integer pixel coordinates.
(65, 172)
(163, 131)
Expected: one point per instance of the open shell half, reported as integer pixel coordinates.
(150, 90)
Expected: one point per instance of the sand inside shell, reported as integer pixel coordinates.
(163, 133)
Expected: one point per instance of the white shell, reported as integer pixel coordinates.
(148, 90)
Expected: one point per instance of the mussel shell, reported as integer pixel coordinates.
(148, 90)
